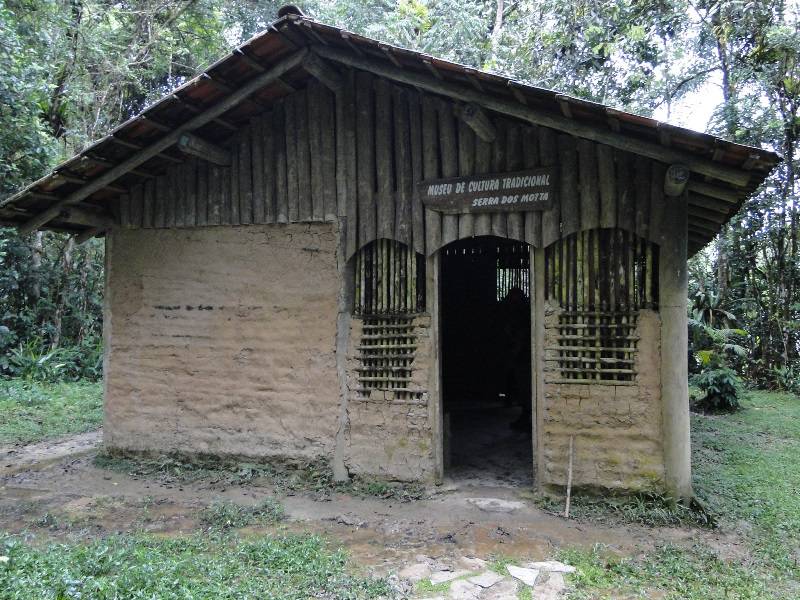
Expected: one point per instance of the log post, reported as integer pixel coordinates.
(674, 348)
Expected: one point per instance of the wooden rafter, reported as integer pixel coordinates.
(165, 142)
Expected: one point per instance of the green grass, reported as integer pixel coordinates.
(199, 567)
(31, 412)
(746, 469)
(228, 515)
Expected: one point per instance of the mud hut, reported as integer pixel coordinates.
(328, 247)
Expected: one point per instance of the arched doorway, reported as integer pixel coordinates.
(485, 303)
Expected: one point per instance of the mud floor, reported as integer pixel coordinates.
(65, 496)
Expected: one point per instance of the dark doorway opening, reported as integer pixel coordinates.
(486, 360)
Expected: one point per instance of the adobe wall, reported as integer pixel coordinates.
(617, 428)
(391, 434)
(222, 340)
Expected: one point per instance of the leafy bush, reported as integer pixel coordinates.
(722, 390)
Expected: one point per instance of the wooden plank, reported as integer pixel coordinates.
(305, 211)
(125, 211)
(365, 151)
(483, 164)
(448, 148)
(233, 187)
(642, 179)
(245, 179)
(202, 201)
(568, 171)
(190, 183)
(268, 167)
(350, 167)
(466, 166)
(499, 221)
(281, 175)
(530, 154)
(417, 210)
(160, 216)
(430, 170)
(137, 201)
(548, 156)
(316, 156)
(626, 208)
(402, 154)
(257, 168)
(383, 160)
(328, 133)
(217, 211)
(589, 185)
(514, 160)
(175, 206)
(607, 179)
(290, 132)
(223, 188)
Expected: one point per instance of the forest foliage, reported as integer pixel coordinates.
(75, 68)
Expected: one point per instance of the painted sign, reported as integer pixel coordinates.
(529, 190)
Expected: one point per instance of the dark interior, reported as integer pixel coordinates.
(486, 366)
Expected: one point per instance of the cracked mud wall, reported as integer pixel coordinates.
(222, 340)
(617, 429)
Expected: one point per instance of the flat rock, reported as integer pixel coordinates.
(552, 588)
(442, 576)
(472, 563)
(486, 579)
(415, 572)
(526, 576)
(550, 565)
(502, 590)
(464, 590)
(496, 504)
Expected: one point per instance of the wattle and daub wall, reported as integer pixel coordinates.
(225, 291)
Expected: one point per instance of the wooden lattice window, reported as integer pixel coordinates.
(386, 355)
(389, 293)
(601, 279)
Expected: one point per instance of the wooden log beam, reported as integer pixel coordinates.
(322, 72)
(165, 142)
(194, 145)
(84, 237)
(538, 117)
(477, 119)
(81, 216)
(675, 180)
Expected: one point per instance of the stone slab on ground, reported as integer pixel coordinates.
(496, 504)
(526, 576)
(442, 576)
(486, 579)
(552, 588)
(464, 590)
(472, 563)
(553, 566)
(502, 590)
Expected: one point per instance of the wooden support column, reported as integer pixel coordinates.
(674, 348)
(537, 360)
(435, 402)
(344, 310)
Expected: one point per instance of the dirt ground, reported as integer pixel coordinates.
(54, 488)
